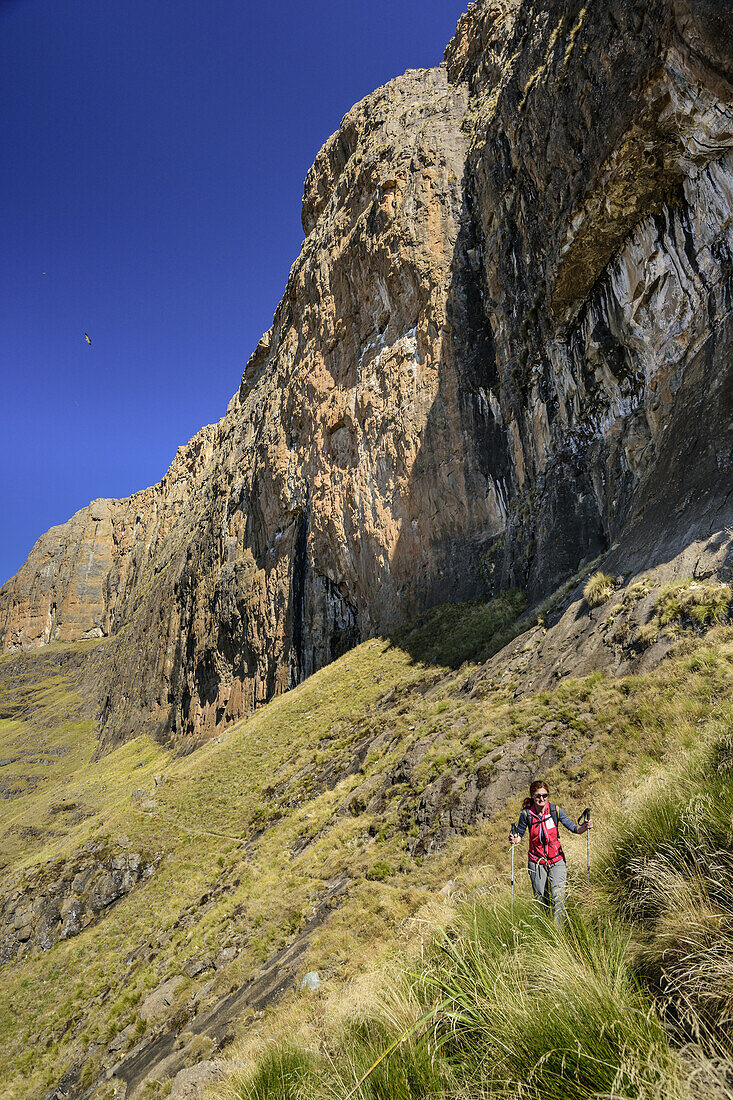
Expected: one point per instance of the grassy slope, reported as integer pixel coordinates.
(57, 797)
(632, 999)
(265, 818)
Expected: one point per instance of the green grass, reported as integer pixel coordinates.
(536, 1012)
(699, 603)
(48, 752)
(379, 871)
(450, 634)
(281, 1074)
(669, 874)
(411, 1070)
(265, 817)
(632, 998)
(687, 606)
(504, 1005)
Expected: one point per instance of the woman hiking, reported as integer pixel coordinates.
(547, 868)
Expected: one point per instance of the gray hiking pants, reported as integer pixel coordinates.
(548, 884)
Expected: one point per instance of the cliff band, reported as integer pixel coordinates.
(505, 346)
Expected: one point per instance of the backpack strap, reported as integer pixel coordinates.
(555, 816)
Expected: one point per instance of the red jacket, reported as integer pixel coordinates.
(544, 839)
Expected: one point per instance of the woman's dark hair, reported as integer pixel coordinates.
(533, 788)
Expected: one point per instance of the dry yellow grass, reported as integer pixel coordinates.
(598, 589)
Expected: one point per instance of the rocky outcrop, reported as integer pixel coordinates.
(57, 902)
(183, 1022)
(509, 319)
(79, 577)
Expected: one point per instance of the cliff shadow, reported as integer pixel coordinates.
(458, 484)
(489, 535)
(449, 634)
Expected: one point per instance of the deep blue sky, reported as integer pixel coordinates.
(153, 158)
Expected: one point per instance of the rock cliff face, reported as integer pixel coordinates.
(600, 179)
(505, 346)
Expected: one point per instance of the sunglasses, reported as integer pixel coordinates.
(540, 797)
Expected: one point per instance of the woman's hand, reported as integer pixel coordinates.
(514, 838)
(588, 825)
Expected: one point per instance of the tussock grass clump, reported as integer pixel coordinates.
(636, 591)
(379, 871)
(354, 1064)
(504, 1005)
(688, 812)
(598, 589)
(413, 1069)
(699, 603)
(284, 1072)
(534, 1011)
(721, 756)
(669, 871)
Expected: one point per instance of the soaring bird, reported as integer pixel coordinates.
(88, 338)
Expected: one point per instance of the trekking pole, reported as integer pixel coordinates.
(514, 831)
(585, 817)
